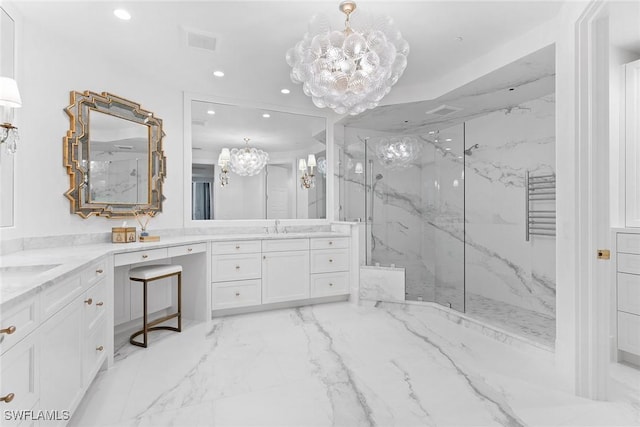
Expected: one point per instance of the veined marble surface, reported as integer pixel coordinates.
(341, 365)
(382, 283)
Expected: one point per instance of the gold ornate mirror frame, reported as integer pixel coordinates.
(78, 155)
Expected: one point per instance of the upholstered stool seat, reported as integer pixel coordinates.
(149, 273)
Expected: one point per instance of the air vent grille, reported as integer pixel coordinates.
(443, 110)
(201, 40)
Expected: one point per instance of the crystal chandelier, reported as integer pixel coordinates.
(351, 70)
(247, 161)
(397, 152)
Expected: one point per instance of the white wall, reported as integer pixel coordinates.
(48, 69)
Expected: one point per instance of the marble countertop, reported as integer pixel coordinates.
(28, 272)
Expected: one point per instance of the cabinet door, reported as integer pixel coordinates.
(632, 143)
(285, 276)
(19, 379)
(61, 359)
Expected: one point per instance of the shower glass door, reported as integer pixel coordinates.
(415, 213)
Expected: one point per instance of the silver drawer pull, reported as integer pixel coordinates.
(100, 304)
(189, 249)
(237, 267)
(100, 348)
(99, 271)
(237, 246)
(330, 243)
(330, 260)
(88, 301)
(237, 294)
(330, 284)
(145, 256)
(11, 329)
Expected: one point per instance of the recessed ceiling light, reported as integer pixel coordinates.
(122, 14)
(447, 149)
(211, 112)
(448, 139)
(218, 73)
(432, 132)
(285, 91)
(266, 115)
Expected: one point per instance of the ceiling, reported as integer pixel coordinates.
(252, 37)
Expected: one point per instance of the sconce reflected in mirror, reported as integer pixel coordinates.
(307, 180)
(9, 99)
(223, 161)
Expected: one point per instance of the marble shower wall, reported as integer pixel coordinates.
(500, 265)
(454, 221)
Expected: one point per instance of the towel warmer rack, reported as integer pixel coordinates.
(540, 205)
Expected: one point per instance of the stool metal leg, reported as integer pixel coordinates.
(144, 307)
(180, 302)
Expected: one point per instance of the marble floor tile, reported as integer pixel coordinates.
(340, 365)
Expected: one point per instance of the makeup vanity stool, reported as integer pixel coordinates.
(149, 273)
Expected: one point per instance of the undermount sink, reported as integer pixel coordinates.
(24, 271)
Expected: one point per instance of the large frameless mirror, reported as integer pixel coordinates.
(7, 69)
(113, 153)
(252, 163)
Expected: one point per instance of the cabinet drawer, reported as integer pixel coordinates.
(20, 376)
(240, 293)
(95, 351)
(330, 243)
(629, 332)
(57, 296)
(629, 263)
(281, 245)
(325, 284)
(187, 249)
(236, 247)
(225, 268)
(18, 322)
(629, 293)
(628, 243)
(326, 261)
(94, 273)
(95, 300)
(140, 256)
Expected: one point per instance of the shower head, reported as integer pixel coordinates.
(469, 150)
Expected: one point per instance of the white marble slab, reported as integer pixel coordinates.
(340, 365)
(382, 283)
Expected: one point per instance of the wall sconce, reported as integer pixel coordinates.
(307, 180)
(9, 98)
(359, 169)
(223, 161)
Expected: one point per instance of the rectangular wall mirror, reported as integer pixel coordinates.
(7, 69)
(293, 142)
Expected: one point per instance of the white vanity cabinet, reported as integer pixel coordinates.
(236, 273)
(285, 270)
(628, 296)
(44, 362)
(329, 266)
(73, 342)
(279, 270)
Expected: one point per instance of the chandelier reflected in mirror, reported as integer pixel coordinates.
(348, 71)
(398, 152)
(247, 161)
